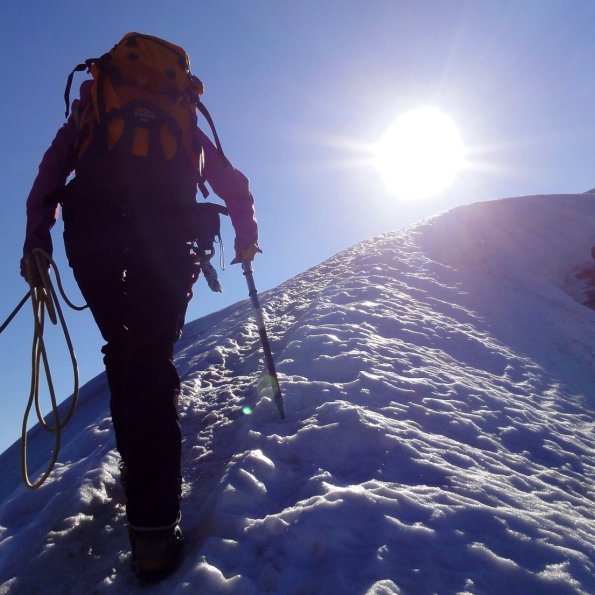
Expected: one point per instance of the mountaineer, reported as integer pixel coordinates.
(130, 215)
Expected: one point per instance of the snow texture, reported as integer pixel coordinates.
(439, 389)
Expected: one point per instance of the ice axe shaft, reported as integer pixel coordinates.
(262, 331)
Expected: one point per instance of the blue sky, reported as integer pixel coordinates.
(299, 92)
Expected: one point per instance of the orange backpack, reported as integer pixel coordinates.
(144, 101)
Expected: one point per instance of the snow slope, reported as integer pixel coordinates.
(439, 435)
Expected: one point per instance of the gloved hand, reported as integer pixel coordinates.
(30, 271)
(246, 254)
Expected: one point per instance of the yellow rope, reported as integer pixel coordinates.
(44, 299)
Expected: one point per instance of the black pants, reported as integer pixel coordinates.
(136, 276)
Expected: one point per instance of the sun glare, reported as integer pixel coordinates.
(420, 154)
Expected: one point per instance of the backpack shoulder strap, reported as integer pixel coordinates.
(207, 116)
(86, 65)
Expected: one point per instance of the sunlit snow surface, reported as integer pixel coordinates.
(439, 388)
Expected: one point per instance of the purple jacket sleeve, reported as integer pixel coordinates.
(60, 160)
(42, 203)
(234, 188)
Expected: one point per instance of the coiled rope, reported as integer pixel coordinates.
(44, 300)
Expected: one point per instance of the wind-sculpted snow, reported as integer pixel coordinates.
(439, 438)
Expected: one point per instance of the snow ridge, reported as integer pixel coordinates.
(439, 438)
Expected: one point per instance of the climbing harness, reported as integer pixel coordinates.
(206, 230)
(44, 300)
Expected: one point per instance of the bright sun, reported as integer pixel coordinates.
(420, 154)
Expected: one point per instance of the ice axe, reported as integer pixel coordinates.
(262, 331)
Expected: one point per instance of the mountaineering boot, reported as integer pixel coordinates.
(156, 551)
